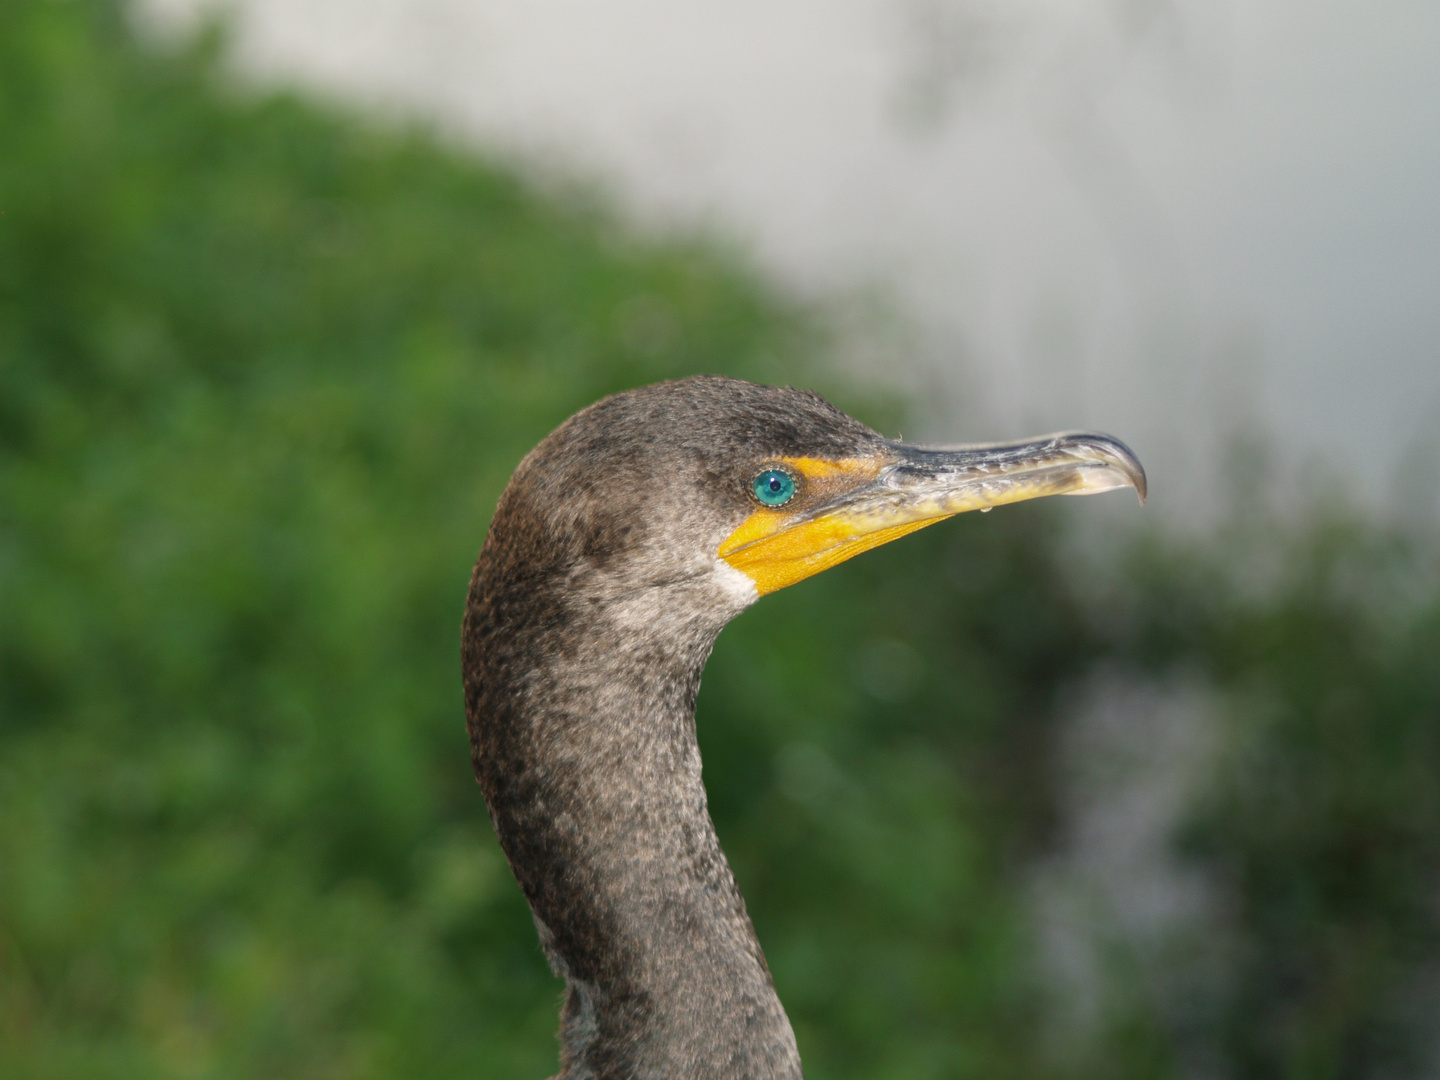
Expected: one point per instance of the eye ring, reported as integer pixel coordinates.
(773, 488)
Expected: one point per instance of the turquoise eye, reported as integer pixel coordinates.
(774, 487)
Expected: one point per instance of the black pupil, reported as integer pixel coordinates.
(775, 484)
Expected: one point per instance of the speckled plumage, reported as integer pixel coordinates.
(592, 609)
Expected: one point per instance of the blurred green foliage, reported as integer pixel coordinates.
(1323, 825)
(264, 369)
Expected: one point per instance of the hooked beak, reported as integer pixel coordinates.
(910, 487)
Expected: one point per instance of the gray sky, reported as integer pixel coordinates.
(1162, 218)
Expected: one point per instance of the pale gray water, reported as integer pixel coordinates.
(1161, 218)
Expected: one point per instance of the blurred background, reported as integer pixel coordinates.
(1065, 791)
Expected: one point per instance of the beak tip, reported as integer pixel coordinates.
(1141, 485)
(1128, 464)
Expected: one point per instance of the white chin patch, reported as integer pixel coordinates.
(736, 585)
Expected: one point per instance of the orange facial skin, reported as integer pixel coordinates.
(773, 549)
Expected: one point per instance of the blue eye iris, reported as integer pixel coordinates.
(774, 487)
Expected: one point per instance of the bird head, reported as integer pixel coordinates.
(743, 489)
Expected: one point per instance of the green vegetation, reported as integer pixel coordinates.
(265, 368)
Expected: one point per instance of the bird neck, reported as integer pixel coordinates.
(583, 728)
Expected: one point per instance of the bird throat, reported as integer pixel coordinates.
(583, 733)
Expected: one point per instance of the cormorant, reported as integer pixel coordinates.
(624, 542)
